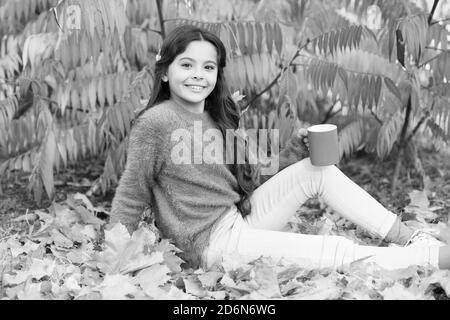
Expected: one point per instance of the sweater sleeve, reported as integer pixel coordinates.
(144, 161)
(294, 151)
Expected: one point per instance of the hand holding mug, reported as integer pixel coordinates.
(302, 133)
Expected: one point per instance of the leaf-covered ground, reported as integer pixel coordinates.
(65, 250)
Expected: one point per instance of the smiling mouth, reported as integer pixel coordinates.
(195, 88)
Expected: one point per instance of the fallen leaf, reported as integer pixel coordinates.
(28, 217)
(419, 205)
(88, 217)
(81, 255)
(17, 278)
(90, 278)
(217, 295)
(152, 277)
(85, 200)
(48, 223)
(144, 237)
(176, 294)
(31, 291)
(41, 268)
(116, 287)
(194, 286)
(60, 240)
(326, 226)
(267, 279)
(64, 217)
(209, 279)
(117, 238)
(16, 247)
(173, 262)
(419, 199)
(327, 294)
(399, 292)
(142, 261)
(12, 292)
(72, 283)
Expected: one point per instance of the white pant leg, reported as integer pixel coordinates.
(275, 201)
(273, 204)
(234, 238)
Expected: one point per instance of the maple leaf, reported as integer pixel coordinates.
(72, 283)
(48, 223)
(83, 198)
(419, 206)
(114, 254)
(194, 286)
(81, 255)
(326, 294)
(27, 217)
(60, 240)
(31, 291)
(209, 279)
(41, 268)
(176, 294)
(142, 261)
(64, 217)
(90, 277)
(173, 262)
(127, 254)
(235, 290)
(399, 292)
(88, 294)
(267, 280)
(17, 278)
(217, 295)
(326, 226)
(116, 287)
(37, 270)
(15, 246)
(12, 292)
(88, 217)
(151, 278)
(81, 233)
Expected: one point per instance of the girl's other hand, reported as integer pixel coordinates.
(303, 135)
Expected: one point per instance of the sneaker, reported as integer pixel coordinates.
(421, 238)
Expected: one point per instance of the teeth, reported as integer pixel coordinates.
(196, 88)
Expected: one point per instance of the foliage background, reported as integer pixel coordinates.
(70, 85)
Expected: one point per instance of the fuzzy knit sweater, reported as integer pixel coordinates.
(187, 199)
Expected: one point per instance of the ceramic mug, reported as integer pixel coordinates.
(323, 144)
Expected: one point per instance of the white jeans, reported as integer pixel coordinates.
(274, 203)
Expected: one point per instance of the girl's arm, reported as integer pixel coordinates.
(144, 161)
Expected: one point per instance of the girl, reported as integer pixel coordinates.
(213, 208)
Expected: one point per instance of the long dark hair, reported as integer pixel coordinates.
(220, 105)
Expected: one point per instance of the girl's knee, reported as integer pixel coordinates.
(305, 166)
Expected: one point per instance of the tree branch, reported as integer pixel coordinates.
(429, 60)
(419, 124)
(437, 49)
(330, 114)
(430, 17)
(401, 146)
(274, 81)
(376, 117)
(159, 4)
(437, 21)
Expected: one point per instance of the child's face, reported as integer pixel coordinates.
(192, 76)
